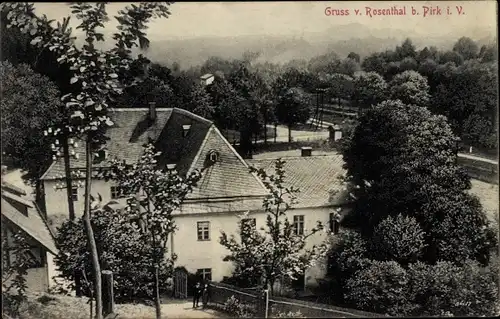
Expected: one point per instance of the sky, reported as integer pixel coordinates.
(202, 19)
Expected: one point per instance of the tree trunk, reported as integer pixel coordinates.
(69, 182)
(289, 133)
(90, 232)
(157, 293)
(245, 143)
(71, 205)
(275, 132)
(156, 266)
(265, 128)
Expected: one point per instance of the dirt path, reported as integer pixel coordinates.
(171, 309)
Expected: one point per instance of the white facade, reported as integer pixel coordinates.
(197, 254)
(56, 203)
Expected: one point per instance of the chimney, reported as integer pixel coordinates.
(306, 151)
(152, 111)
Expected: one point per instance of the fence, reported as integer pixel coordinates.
(220, 293)
(481, 170)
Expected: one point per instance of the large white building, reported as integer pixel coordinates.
(226, 190)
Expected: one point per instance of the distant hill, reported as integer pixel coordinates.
(278, 49)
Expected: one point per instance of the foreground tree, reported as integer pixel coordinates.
(279, 250)
(411, 205)
(94, 76)
(163, 192)
(123, 249)
(16, 260)
(403, 159)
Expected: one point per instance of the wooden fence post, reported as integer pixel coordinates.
(108, 295)
(266, 300)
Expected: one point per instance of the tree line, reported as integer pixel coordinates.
(248, 95)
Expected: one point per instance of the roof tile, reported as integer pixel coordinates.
(32, 223)
(316, 177)
(228, 178)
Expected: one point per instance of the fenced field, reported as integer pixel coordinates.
(276, 306)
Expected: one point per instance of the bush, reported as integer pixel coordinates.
(122, 249)
(349, 254)
(469, 290)
(233, 307)
(400, 239)
(381, 288)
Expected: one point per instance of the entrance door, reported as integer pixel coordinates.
(180, 283)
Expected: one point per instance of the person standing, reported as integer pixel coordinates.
(196, 294)
(204, 297)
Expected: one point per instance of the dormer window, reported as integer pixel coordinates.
(101, 155)
(185, 130)
(171, 166)
(213, 156)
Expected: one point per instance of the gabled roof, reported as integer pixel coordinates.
(131, 130)
(229, 176)
(28, 218)
(185, 140)
(177, 148)
(13, 189)
(316, 177)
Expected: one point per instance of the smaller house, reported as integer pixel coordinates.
(321, 197)
(207, 79)
(335, 132)
(20, 214)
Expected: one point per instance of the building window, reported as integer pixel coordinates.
(115, 192)
(74, 194)
(203, 231)
(205, 274)
(334, 224)
(298, 224)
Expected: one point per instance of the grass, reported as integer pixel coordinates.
(46, 306)
(307, 128)
(232, 135)
(488, 195)
(50, 306)
(320, 145)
